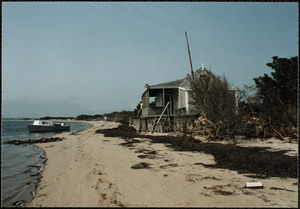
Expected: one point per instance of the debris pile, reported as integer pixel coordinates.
(264, 128)
(203, 127)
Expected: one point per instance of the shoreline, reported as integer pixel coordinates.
(28, 176)
(90, 170)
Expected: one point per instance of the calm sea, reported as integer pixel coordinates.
(21, 165)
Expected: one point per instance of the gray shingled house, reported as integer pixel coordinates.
(168, 104)
(177, 93)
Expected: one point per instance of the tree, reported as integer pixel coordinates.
(216, 103)
(279, 94)
(285, 77)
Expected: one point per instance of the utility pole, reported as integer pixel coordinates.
(187, 43)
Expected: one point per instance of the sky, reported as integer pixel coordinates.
(71, 58)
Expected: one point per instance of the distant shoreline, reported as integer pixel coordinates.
(25, 119)
(73, 120)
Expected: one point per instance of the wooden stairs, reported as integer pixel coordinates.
(162, 119)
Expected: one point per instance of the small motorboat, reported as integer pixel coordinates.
(47, 126)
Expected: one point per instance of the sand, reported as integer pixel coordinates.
(90, 170)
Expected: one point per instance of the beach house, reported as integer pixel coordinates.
(168, 105)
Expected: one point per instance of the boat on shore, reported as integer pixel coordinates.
(47, 126)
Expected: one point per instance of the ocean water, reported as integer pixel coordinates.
(22, 165)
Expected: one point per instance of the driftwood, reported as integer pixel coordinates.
(253, 128)
(205, 127)
(280, 136)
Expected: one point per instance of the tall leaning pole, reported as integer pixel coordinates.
(187, 43)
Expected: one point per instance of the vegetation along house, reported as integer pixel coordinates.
(168, 105)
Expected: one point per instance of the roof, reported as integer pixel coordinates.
(171, 84)
(175, 84)
(184, 83)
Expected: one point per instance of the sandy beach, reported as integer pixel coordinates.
(90, 170)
